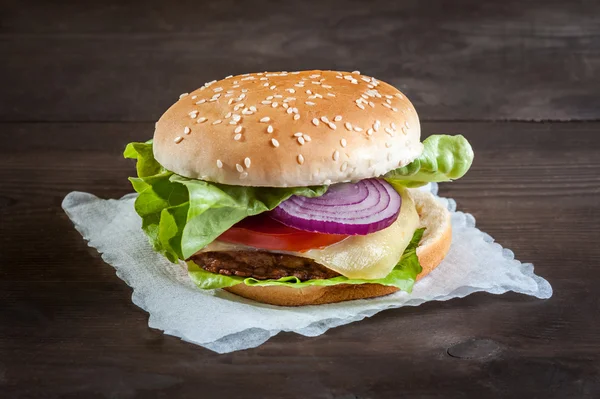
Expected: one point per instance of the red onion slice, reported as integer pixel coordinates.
(347, 208)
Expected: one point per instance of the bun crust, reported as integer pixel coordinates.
(431, 251)
(289, 129)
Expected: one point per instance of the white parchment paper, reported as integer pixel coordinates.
(224, 322)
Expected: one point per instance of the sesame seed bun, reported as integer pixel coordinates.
(432, 249)
(288, 129)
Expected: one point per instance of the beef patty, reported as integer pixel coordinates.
(262, 265)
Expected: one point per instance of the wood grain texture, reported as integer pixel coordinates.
(68, 328)
(462, 60)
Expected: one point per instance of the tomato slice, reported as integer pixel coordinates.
(263, 232)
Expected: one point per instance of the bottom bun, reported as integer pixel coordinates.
(431, 251)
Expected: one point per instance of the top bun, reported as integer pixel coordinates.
(287, 129)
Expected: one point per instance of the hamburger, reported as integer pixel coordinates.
(297, 188)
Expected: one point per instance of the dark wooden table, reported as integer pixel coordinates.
(520, 79)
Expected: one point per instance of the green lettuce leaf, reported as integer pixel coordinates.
(402, 276)
(444, 158)
(182, 216)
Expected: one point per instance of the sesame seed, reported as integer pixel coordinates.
(370, 131)
(237, 137)
(186, 130)
(270, 98)
(313, 76)
(266, 102)
(296, 117)
(344, 166)
(275, 104)
(300, 140)
(291, 90)
(336, 155)
(386, 105)
(359, 105)
(348, 77)
(178, 139)
(265, 119)
(298, 134)
(219, 164)
(316, 83)
(216, 95)
(406, 124)
(338, 118)
(332, 125)
(327, 181)
(247, 162)
(239, 167)
(388, 145)
(235, 86)
(389, 131)
(263, 78)
(371, 104)
(309, 103)
(393, 125)
(253, 108)
(295, 110)
(266, 84)
(194, 97)
(244, 90)
(269, 129)
(183, 95)
(315, 122)
(331, 94)
(217, 122)
(233, 123)
(201, 101)
(236, 117)
(308, 92)
(277, 96)
(213, 99)
(398, 95)
(299, 85)
(388, 101)
(376, 125)
(394, 109)
(370, 86)
(217, 89)
(201, 120)
(326, 86)
(357, 129)
(238, 129)
(343, 143)
(356, 72)
(193, 114)
(307, 137)
(243, 175)
(273, 87)
(300, 159)
(348, 126)
(290, 110)
(324, 119)
(275, 143)
(364, 96)
(230, 101)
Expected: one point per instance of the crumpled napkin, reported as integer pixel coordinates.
(224, 322)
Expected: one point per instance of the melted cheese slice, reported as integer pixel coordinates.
(366, 257)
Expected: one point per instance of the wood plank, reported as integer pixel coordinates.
(112, 61)
(68, 328)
